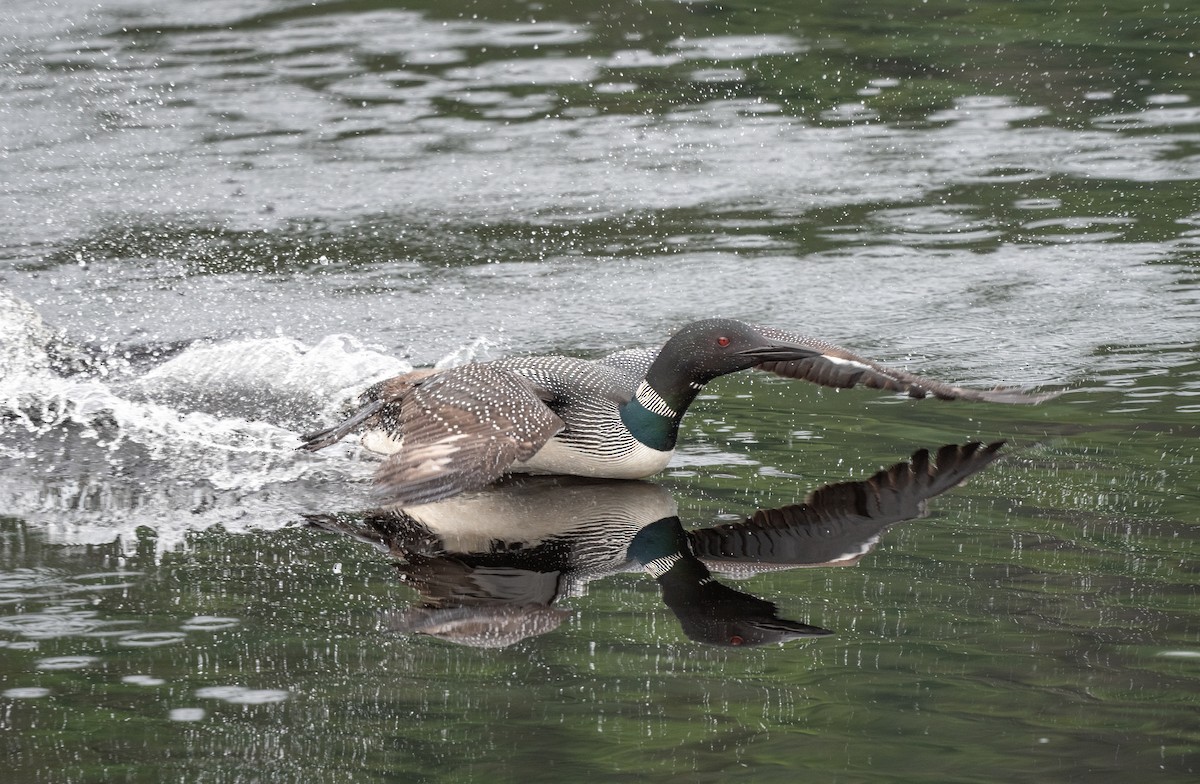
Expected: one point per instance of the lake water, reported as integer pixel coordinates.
(233, 215)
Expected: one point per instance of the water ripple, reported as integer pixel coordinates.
(737, 47)
(150, 639)
(240, 695)
(209, 623)
(1157, 118)
(186, 714)
(143, 680)
(56, 623)
(65, 662)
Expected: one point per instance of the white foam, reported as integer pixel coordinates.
(477, 350)
(93, 460)
(272, 379)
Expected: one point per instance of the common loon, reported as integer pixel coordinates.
(615, 417)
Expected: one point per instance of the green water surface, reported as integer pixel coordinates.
(1042, 623)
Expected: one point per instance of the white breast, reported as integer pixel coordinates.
(558, 457)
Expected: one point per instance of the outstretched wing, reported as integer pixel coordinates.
(833, 366)
(463, 428)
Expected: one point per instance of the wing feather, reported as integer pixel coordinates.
(833, 366)
(463, 429)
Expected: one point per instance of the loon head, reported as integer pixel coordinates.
(703, 350)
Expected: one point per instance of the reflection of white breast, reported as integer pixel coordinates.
(530, 510)
(634, 460)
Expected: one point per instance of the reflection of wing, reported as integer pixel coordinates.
(839, 522)
(462, 429)
(832, 366)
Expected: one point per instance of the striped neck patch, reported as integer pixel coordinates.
(660, 566)
(653, 402)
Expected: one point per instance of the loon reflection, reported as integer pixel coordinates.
(490, 566)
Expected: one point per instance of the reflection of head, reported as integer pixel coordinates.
(707, 610)
(719, 615)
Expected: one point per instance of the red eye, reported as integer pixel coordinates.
(736, 640)
(722, 341)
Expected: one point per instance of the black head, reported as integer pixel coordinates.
(703, 350)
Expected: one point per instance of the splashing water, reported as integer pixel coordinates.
(97, 447)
